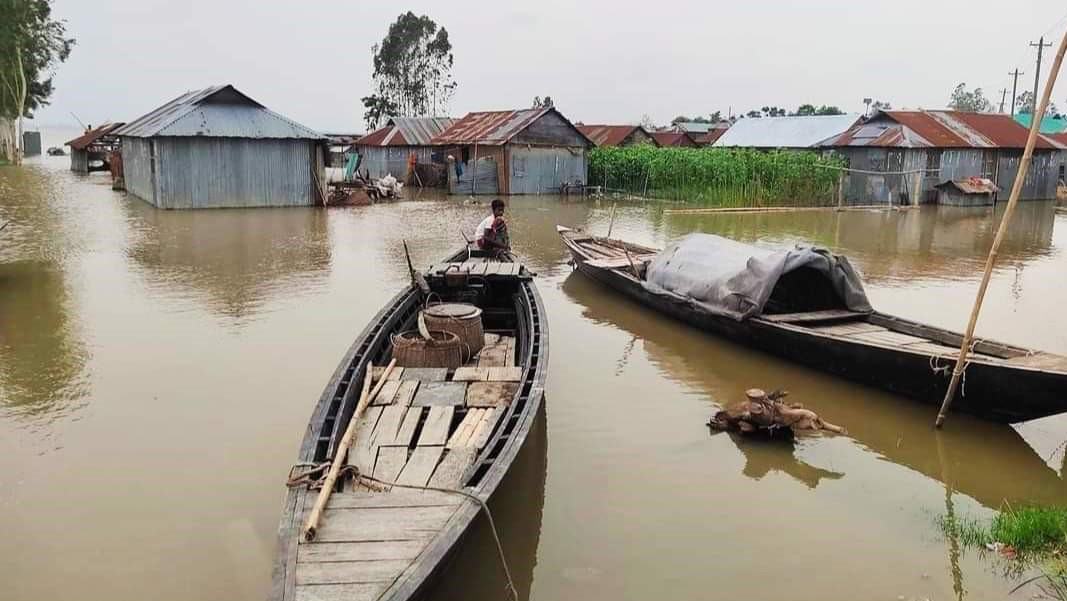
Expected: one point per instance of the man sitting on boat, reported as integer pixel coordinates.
(492, 232)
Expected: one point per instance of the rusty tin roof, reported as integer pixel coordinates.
(673, 138)
(939, 129)
(495, 128)
(609, 135)
(83, 141)
(406, 131)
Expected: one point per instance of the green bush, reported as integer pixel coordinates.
(719, 176)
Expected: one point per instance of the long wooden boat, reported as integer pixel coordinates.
(446, 429)
(1003, 383)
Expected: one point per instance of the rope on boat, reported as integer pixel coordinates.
(457, 491)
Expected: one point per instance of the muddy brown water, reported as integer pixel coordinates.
(157, 370)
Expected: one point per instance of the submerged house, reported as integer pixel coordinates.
(617, 135)
(905, 151)
(526, 151)
(785, 133)
(216, 148)
(389, 150)
(92, 150)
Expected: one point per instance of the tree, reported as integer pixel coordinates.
(807, 110)
(543, 103)
(412, 70)
(716, 117)
(881, 106)
(974, 102)
(32, 44)
(647, 123)
(754, 114)
(1024, 104)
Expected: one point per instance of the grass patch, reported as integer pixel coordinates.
(1027, 529)
(966, 530)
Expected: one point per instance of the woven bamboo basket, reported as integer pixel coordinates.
(443, 349)
(462, 319)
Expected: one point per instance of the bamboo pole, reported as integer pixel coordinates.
(1016, 190)
(342, 449)
(611, 222)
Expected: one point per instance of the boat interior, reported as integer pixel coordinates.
(802, 300)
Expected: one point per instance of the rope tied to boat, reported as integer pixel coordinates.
(943, 370)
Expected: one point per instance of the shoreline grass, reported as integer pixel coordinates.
(1029, 530)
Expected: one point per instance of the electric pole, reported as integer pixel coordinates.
(1003, 95)
(1014, 88)
(1041, 45)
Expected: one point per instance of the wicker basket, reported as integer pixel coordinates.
(443, 349)
(462, 319)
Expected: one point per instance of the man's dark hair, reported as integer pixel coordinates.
(497, 204)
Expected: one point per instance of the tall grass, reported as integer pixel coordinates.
(1027, 529)
(717, 176)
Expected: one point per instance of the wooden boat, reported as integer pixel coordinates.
(428, 427)
(1003, 383)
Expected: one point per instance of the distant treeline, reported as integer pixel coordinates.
(718, 176)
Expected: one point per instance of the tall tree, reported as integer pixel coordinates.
(32, 43)
(975, 102)
(412, 70)
(881, 106)
(543, 103)
(1025, 104)
(807, 110)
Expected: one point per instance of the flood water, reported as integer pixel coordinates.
(157, 370)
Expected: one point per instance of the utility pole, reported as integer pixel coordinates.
(1003, 95)
(1041, 45)
(1014, 88)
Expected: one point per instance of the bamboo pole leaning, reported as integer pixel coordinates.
(311, 528)
(1016, 190)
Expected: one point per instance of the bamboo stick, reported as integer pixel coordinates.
(1016, 190)
(611, 222)
(342, 449)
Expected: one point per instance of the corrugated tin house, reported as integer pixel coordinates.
(528, 151)
(770, 133)
(674, 138)
(712, 136)
(90, 151)
(387, 150)
(693, 128)
(617, 135)
(217, 147)
(939, 146)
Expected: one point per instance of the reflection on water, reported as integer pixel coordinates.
(763, 456)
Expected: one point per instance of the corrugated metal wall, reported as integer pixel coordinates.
(31, 143)
(79, 161)
(536, 170)
(379, 161)
(137, 168)
(487, 182)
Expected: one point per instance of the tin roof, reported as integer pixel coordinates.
(220, 112)
(971, 185)
(693, 127)
(1049, 125)
(87, 138)
(406, 131)
(938, 129)
(494, 127)
(609, 135)
(710, 138)
(785, 132)
(673, 138)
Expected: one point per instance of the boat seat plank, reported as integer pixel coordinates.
(376, 373)
(490, 338)
(493, 356)
(407, 429)
(426, 374)
(509, 357)
(504, 374)
(933, 348)
(387, 393)
(848, 328)
(471, 374)
(366, 551)
(437, 394)
(490, 394)
(420, 466)
(360, 454)
(405, 394)
(382, 524)
(435, 430)
(829, 315)
(451, 469)
(369, 591)
(462, 435)
(398, 497)
(485, 427)
(493, 269)
(887, 337)
(350, 572)
(390, 461)
(389, 424)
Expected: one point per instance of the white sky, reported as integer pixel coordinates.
(602, 62)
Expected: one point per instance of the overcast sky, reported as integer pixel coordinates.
(602, 62)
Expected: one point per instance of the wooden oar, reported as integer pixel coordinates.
(342, 449)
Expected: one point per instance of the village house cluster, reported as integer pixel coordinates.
(244, 155)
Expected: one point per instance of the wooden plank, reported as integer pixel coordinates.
(471, 374)
(466, 428)
(435, 430)
(504, 374)
(406, 393)
(407, 429)
(509, 357)
(492, 356)
(390, 461)
(492, 269)
(490, 394)
(368, 591)
(389, 424)
(887, 337)
(830, 315)
(426, 374)
(842, 329)
(485, 427)
(437, 394)
(394, 523)
(490, 338)
(350, 572)
(420, 466)
(366, 551)
(360, 454)
(452, 467)
(376, 373)
(387, 394)
(398, 497)
(479, 269)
